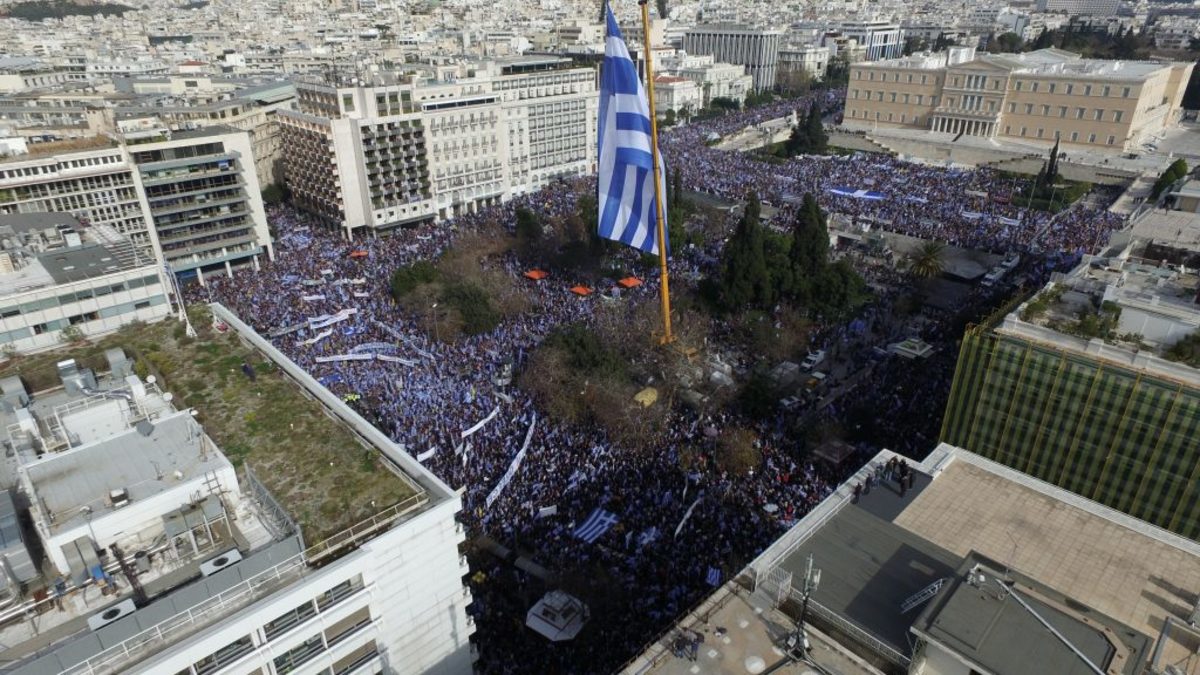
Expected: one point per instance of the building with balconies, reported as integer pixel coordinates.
(204, 199)
(403, 149)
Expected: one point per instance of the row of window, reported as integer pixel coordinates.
(54, 325)
(981, 82)
(50, 169)
(77, 296)
(894, 97)
(1080, 113)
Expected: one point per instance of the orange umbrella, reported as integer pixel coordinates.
(581, 291)
(629, 282)
(536, 275)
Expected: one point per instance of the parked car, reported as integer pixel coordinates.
(813, 359)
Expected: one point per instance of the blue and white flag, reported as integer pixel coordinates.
(596, 525)
(628, 207)
(713, 577)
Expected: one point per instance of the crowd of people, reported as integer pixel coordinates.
(681, 522)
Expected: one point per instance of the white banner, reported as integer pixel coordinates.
(345, 357)
(312, 298)
(687, 515)
(479, 425)
(358, 294)
(512, 468)
(318, 337)
(330, 319)
(547, 511)
(396, 359)
(427, 454)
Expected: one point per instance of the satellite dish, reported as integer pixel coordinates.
(168, 397)
(144, 427)
(150, 379)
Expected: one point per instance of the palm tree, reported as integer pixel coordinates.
(926, 261)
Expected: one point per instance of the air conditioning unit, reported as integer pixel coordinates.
(107, 616)
(214, 565)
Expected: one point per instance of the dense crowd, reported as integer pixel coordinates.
(642, 573)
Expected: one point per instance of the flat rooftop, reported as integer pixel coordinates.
(315, 467)
(1095, 571)
(1116, 564)
(1177, 229)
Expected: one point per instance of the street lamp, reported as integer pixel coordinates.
(433, 317)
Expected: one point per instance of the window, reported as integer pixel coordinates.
(1070, 89)
(871, 76)
(1022, 131)
(1050, 88)
(1079, 112)
(1099, 114)
(1028, 108)
(1040, 132)
(348, 102)
(1045, 110)
(1117, 115)
(1106, 90)
(1074, 136)
(893, 97)
(1019, 84)
(1012, 107)
(1111, 139)
(1033, 87)
(224, 656)
(1062, 111)
(923, 79)
(1087, 90)
(1091, 138)
(289, 619)
(1125, 92)
(299, 654)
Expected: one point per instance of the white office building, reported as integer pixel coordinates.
(159, 557)
(754, 48)
(55, 274)
(407, 149)
(881, 39)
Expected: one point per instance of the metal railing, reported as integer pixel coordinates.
(858, 634)
(365, 528)
(276, 514)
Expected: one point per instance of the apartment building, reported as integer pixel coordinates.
(754, 48)
(810, 59)
(1075, 7)
(713, 79)
(154, 555)
(93, 179)
(1037, 97)
(55, 273)
(204, 199)
(406, 149)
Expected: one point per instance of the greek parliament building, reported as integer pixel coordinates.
(405, 148)
(1078, 388)
(1037, 97)
(754, 48)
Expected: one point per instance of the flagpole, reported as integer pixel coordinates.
(658, 196)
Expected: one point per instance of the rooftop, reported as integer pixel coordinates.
(1112, 583)
(46, 249)
(1177, 229)
(51, 148)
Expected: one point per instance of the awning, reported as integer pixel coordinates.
(629, 282)
(536, 275)
(582, 291)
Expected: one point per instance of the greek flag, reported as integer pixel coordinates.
(596, 525)
(713, 577)
(628, 208)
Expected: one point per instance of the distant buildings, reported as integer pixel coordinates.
(1075, 389)
(1041, 96)
(403, 150)
(756, 49)
(55, 274)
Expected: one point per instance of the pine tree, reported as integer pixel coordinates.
(676, 190)
(798, 142)
(818, 140)
(810, 246)
(1052, 166)
(745, 281)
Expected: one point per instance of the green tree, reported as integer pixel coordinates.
(1052, 165)
(1194, 45)
(926, 262)
(818, 140)
(1044, 40)
(1008, 42)
(745, 281)
(809, 249)
(837, 74)
(839, 291)
(272, 194)
(798, 142)
(942, 42)
(661, 6)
